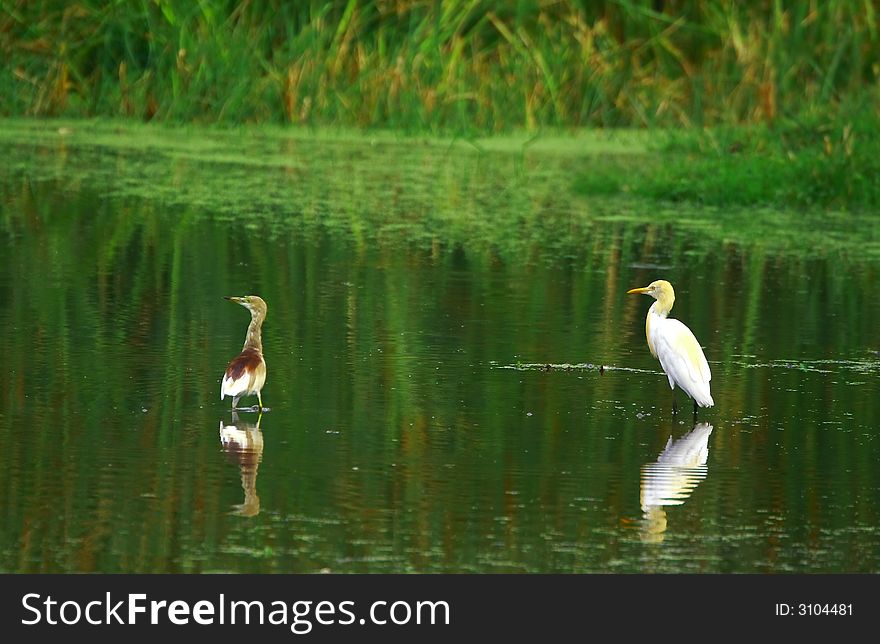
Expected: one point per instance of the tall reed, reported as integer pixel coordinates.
(459, 65)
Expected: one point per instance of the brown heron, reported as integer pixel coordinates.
(246, 373)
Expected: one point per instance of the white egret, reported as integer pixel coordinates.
(675, 346)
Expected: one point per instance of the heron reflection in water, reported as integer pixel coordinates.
(671, 479)
(243, 443)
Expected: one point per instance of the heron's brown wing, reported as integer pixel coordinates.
(246, 361)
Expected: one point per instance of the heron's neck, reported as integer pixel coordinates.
(253, 339)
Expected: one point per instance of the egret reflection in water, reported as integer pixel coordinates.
(671, 479)
(243, 443)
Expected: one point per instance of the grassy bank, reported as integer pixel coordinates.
(774, 104)
(516, 198)
(459, 65)
(813, 162)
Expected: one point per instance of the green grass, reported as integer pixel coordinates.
(506, 197)
(817, 162)
(770, 105)
(461, 66)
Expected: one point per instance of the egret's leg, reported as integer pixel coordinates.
(674, 405)
(695, 410)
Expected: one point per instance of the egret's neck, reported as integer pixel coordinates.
(663, 305)
(253, 339)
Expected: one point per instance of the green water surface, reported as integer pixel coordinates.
(457, 380)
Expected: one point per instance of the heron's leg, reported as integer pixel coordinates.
(235, 400)
(260, 400)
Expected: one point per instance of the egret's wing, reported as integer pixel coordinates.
(684, 348)
(682, 359)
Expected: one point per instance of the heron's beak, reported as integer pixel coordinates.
(640, 291)
(232, 298)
